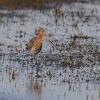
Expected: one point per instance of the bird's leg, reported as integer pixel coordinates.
(32, 58)
(37, 68)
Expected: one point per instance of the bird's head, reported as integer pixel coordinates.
(40, 31)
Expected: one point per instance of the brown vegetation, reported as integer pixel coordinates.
(36, 4)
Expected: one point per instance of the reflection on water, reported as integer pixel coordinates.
(26, 86)
(67, 69)
(35, 87)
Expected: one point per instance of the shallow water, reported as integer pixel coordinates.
(59, 71)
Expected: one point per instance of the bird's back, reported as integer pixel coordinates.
(31, 46)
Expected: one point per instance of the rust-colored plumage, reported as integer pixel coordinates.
(35, 44)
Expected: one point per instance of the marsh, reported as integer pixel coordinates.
(67, 68)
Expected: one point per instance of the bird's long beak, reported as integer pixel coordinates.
(47, 39)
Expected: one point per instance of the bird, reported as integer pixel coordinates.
(35, 44)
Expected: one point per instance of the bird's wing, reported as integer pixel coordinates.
(38, 50)
(30, 44)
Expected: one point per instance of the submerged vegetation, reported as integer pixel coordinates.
(83, 55)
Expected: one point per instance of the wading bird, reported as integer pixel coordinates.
(35, 44)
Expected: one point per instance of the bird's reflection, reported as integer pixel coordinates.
(36, 88)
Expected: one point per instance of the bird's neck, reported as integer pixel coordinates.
(40, 37)
(39, 40)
